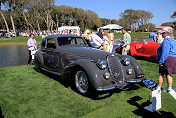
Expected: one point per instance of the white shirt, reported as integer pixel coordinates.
(106, 40)
(95, 41)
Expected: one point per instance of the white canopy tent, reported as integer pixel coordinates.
(111, 27)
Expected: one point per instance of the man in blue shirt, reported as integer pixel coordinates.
(152, 36)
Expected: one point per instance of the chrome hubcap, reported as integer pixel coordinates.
(81, 82)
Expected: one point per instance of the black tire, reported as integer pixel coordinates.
(81, 82)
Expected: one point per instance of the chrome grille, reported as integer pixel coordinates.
(115, 68)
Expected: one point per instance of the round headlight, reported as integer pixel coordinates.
(106, 75)
(126, 61)
(129, 71)
(102, 64)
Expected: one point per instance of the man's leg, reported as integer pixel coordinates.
(169, 81)
(160, 81)
(124, 52)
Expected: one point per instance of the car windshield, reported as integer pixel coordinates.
(62, 41)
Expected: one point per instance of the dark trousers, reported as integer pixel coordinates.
(30, 57)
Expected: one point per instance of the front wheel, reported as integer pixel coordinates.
(81, 82)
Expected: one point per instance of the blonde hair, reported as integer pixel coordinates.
(105, 34)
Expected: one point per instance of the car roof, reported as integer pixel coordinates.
(62, 35)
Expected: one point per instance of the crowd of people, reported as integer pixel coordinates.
(101, 40)
(157, 36)
(105, 40)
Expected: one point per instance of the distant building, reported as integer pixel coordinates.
(158, 28)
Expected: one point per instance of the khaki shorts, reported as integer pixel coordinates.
(125, 50)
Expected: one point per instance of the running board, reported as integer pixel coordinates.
(133, 81)
(56, 73)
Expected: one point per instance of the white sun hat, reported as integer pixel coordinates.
(168, 29)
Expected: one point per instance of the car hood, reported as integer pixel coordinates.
(86, 52)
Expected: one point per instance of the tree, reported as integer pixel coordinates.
(7, 27)
(148, 27)
(11, 6)
(174, 15)
(134, 18)
(105, 21)
(114, 21)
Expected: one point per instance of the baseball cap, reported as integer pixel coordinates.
(87, 31)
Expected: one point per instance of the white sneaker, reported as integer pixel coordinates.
(167, 90)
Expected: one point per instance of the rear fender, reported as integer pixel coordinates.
(39, 56)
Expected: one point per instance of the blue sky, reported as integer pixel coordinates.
(111, 9)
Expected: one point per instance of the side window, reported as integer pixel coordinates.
(72, 40)
(80, 41)
(51, 44)
(43, 43)
(62, 41)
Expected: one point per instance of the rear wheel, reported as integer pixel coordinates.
(81, 82)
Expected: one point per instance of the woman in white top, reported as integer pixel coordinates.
(160, 37)
(106, 41)
(111, 40)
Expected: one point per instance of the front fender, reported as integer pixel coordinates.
(137, 67)
(94, 74)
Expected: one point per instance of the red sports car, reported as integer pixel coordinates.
(143, 48)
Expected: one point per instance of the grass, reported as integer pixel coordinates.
(134, 35)
(18, 40)
(26, 93)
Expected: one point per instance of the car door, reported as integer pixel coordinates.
(50, 55)
(150, 48)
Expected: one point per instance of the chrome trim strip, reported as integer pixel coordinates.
(133, 81)
(106, 89)
(56, 73)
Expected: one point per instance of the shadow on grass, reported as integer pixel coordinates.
(140, 111)
(1, 116)
(65, 80)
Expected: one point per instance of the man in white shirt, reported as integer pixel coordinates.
(94, 40)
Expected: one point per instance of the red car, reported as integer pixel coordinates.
(143, 48)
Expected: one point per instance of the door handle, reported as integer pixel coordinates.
(43, 52)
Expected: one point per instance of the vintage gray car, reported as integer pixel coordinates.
(91, 69)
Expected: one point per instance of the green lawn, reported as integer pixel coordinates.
(134, 35)
(25, 93)
(19, 39)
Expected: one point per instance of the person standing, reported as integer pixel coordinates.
(100, 33)
(106, 41)
(94, 40)
(32, 45)
(126, 39)
(160, 37)
(152, 36)
(166, 54)
(111, 40)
